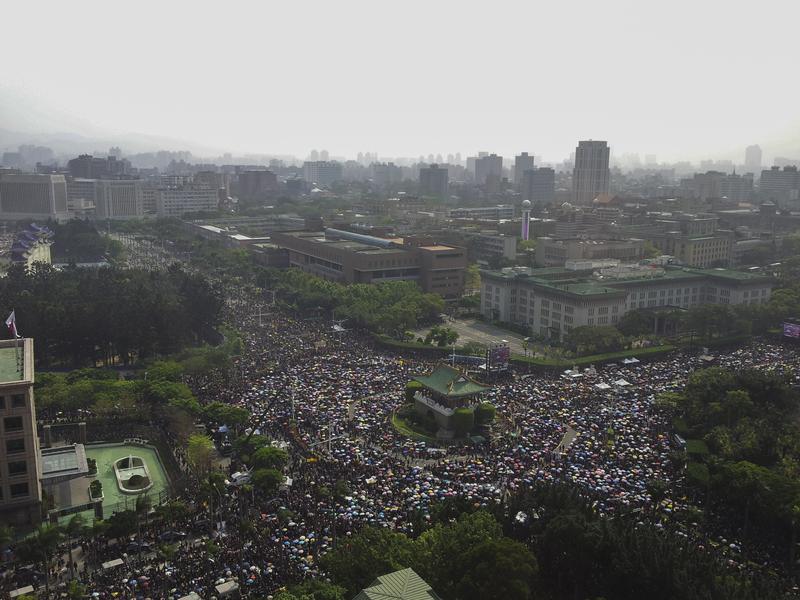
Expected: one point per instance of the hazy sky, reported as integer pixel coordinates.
(681, 79)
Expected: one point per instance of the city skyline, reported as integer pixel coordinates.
(236, 89)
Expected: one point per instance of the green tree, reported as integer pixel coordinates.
(485, 413)
(589, 339)
(636, 322)
(269, 457)
(650, 250)
(199, 451)
(499, 568)
(76, 590)
(313, 589)
(463, 421)
(472, 279)
(226, 414)
(6, 535)
(122, 524)
(40, 547)
(267, 480)
(440, 550)
(75, 527)
(357, 560)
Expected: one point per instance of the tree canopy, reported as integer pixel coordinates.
(81, 317)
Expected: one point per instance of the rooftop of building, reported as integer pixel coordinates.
(436, 247)
(10, 366)
(449, 381)
(318, 237)
(609, 281)
(400, 585)
(16, 362)
(64, 461)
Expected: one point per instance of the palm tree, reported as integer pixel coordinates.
(39, 548)
(75, 527)
(6, 535)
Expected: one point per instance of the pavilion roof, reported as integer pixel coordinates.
(449, 381)
(400, 585)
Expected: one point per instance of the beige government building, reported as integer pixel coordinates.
(20, 463)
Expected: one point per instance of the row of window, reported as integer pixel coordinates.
(16, 490)
(14, 401)
(12, 424)
(17, 467)
(15, 445)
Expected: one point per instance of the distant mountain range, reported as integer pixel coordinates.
(72, 144)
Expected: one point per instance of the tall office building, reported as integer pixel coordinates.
(178, 201)
(119, 199)
(256, 186)
(752, 159)
(20, 462)
(522, 162)
(386, 173)
(216, 181)
(714, 184)
(488, 167)
(781, 187)
(539, 185)
(87, 166)
(433, 181)
(33, 197)
(590, 177)
(322, 172)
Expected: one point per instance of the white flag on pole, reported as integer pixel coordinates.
(11, 323)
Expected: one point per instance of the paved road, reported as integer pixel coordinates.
(472, 330)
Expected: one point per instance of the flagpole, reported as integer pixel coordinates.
(16, 339)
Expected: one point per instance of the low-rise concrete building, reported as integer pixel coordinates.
(552, 301)
(553, 252)
(350, 257)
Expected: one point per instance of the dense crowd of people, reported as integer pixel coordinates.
(331, 395)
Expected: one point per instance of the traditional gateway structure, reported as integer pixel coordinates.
(445, 390)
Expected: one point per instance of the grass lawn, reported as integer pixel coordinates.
(408, 429)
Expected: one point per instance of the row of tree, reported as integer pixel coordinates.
(390, 307)
(83, 317)
(744, 449)
(79, 241)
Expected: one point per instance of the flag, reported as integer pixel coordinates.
(11, 323)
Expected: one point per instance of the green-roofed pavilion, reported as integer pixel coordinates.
(444, 391)
(400, 585)
(450, 383)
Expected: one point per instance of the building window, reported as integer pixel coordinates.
(19, 490)
(12, 424)
(18, 401)
(15, 445)
(2, 402)
(18, 467)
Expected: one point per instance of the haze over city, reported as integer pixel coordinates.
(681, 80)
(417, 300)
